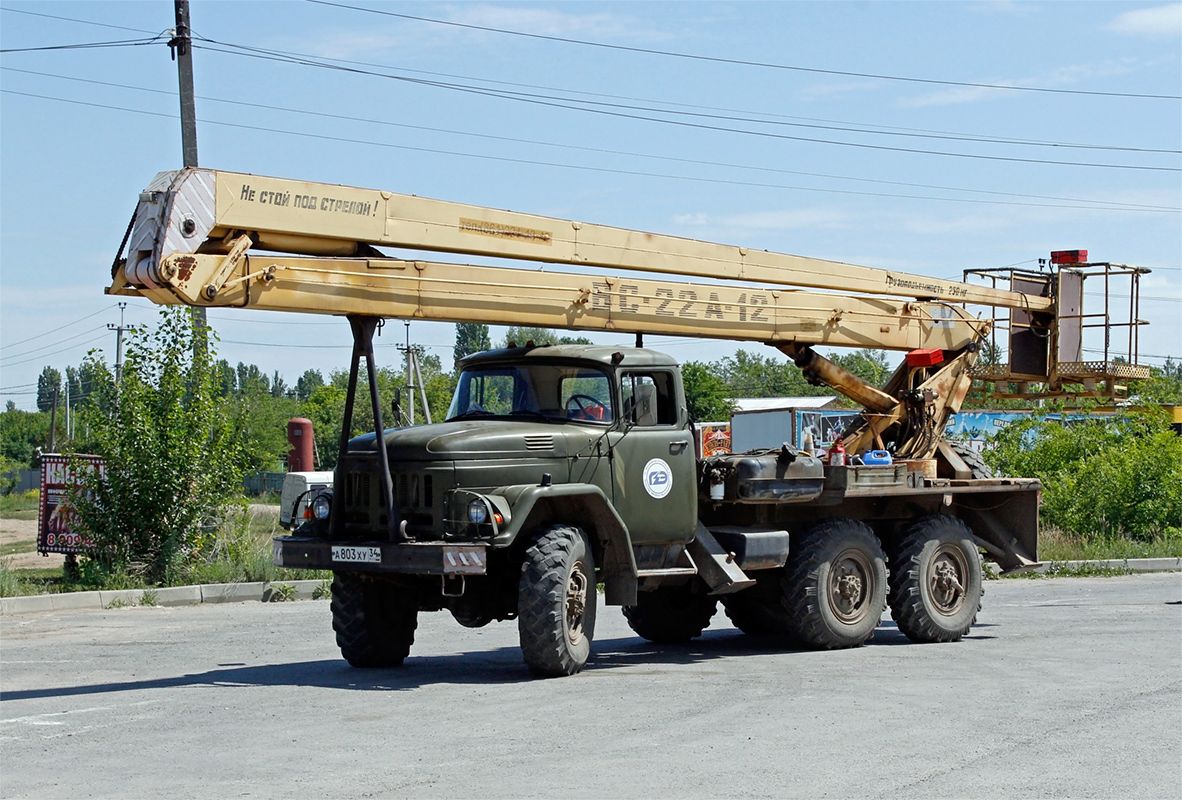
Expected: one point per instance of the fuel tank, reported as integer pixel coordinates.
(785, 475)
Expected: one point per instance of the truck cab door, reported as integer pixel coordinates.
(654, 472)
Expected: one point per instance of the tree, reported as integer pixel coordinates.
(21, 433)
(49, 384)
(706, 393)
(471, 337)
(869, 365)
(225, 380)
(10, 406)
(753, 375)
(520, 335)
(173, 462)
(279, 386)
(307, 382)
(251, 379)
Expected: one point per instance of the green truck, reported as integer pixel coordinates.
(560, 469)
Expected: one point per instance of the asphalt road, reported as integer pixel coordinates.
(1067, 688)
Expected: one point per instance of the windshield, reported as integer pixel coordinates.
(552, 391)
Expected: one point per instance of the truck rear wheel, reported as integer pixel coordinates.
(835, 584)
(670, 614)
(375, 621)
(760, 611)
(556, 601)
(935, 584)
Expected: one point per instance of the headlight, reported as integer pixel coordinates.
(321, 506)
(477, 512)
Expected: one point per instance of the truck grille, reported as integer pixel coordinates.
(539, 441)
(416, 494)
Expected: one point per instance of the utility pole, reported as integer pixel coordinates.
(181, 46)
(119, 345)
(410, 386)
(53, 423)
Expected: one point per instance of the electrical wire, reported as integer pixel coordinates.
(387, 123)
(55, 344)
(740, 62)
(10, 364)
(72, 19)
(765, 114)
(566, 103)
(864, 128)
(85, 45)
(60, 327)
(579, 167)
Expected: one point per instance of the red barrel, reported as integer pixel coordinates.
(299, 436)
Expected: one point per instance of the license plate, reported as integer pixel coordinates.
(366, 555)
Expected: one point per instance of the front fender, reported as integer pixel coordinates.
(586, 506)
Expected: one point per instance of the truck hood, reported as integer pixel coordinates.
(484, 438)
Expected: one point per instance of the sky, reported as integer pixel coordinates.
(924, 137)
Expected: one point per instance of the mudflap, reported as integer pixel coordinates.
(715, 565)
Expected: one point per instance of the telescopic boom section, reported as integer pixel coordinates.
(192, 238)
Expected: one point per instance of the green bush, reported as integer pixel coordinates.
(1102, 478)
(173, 463)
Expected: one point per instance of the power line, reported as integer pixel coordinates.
(10, 364)
(351, 118)
(566, 103)
(84, 45)
(779, 120)
(54, 344)
(1102, 203)
(72, 19)
(740, 62)
(579, 167)
(765, 114)
(59, 328)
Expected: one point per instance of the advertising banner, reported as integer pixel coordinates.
(55, 533)
(712, 438)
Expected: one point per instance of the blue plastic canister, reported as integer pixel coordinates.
(877, 458)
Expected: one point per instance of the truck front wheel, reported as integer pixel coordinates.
(556, 601)
(670, 614)
(375, 621)
(835, 584)
(936, 580)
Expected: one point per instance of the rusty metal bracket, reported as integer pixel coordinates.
(233, 259)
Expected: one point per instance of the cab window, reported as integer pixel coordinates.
(647, 398)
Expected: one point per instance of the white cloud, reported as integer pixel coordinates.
(1159, 22)
(548, 22)
(1061, 76)
(398, 37)
(790, 219)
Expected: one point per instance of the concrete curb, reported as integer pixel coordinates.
(1115, 564)
(266, 592)
(172, 596)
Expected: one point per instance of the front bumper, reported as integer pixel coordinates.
(301, 552)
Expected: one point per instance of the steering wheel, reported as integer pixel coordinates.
(588, 407)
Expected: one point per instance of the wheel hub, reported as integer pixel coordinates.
(576, 602)
(849, 581)
(946, 579)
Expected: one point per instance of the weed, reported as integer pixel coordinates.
(9, 583)
(20, 506)
(150, 597)
(282, 592)
(323, 591)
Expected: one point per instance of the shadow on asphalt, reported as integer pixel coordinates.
(500, 665)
